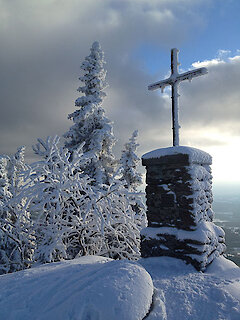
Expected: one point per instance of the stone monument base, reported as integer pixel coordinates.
(198, 247)
(179, 207)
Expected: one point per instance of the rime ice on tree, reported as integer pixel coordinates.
(15, 245)
(91, 126)
(179, 194)
(174, 81)
(129, 162)
(132, 179)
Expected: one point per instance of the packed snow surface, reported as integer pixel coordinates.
(96, 288)
(195, 155)
(87, 288)
(182, 293)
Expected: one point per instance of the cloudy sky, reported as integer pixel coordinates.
(44, 42)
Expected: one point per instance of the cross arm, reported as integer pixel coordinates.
(159, 85)
(180, 77)
(192, 74)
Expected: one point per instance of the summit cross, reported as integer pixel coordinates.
(174, 81)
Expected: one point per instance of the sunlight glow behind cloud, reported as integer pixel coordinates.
(225, 165)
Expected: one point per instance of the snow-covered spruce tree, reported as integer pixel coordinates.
(91, 126)
(6, 243)
(129, 162)
(132, 179)
(16, 165)
(15, 243)
(5, 194)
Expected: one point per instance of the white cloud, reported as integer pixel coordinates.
(223, 57)
(234, 59)
(207, 63)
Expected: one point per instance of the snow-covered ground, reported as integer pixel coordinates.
(182, 293)
(96, 288)
(87, 288)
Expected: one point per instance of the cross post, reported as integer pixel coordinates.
(174, 81)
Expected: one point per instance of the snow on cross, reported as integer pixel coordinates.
(173, 81)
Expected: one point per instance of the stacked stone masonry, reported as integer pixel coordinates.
(179, 200)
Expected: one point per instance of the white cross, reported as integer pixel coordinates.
(173, 81)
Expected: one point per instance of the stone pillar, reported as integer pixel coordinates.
(179, 207)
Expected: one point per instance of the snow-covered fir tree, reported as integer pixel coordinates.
(15, 242)
(91, 126)
(6, 243)
(16, 165)
(132, 179)
(129, 162)
(5, 194)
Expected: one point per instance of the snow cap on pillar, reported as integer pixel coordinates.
(181, 153)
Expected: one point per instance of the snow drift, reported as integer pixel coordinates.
(87, 288)
(97, 288)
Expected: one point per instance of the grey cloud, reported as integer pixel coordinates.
(213, 100)
(44, 42)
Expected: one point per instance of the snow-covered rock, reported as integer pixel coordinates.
(202, 234)
(87, 288)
